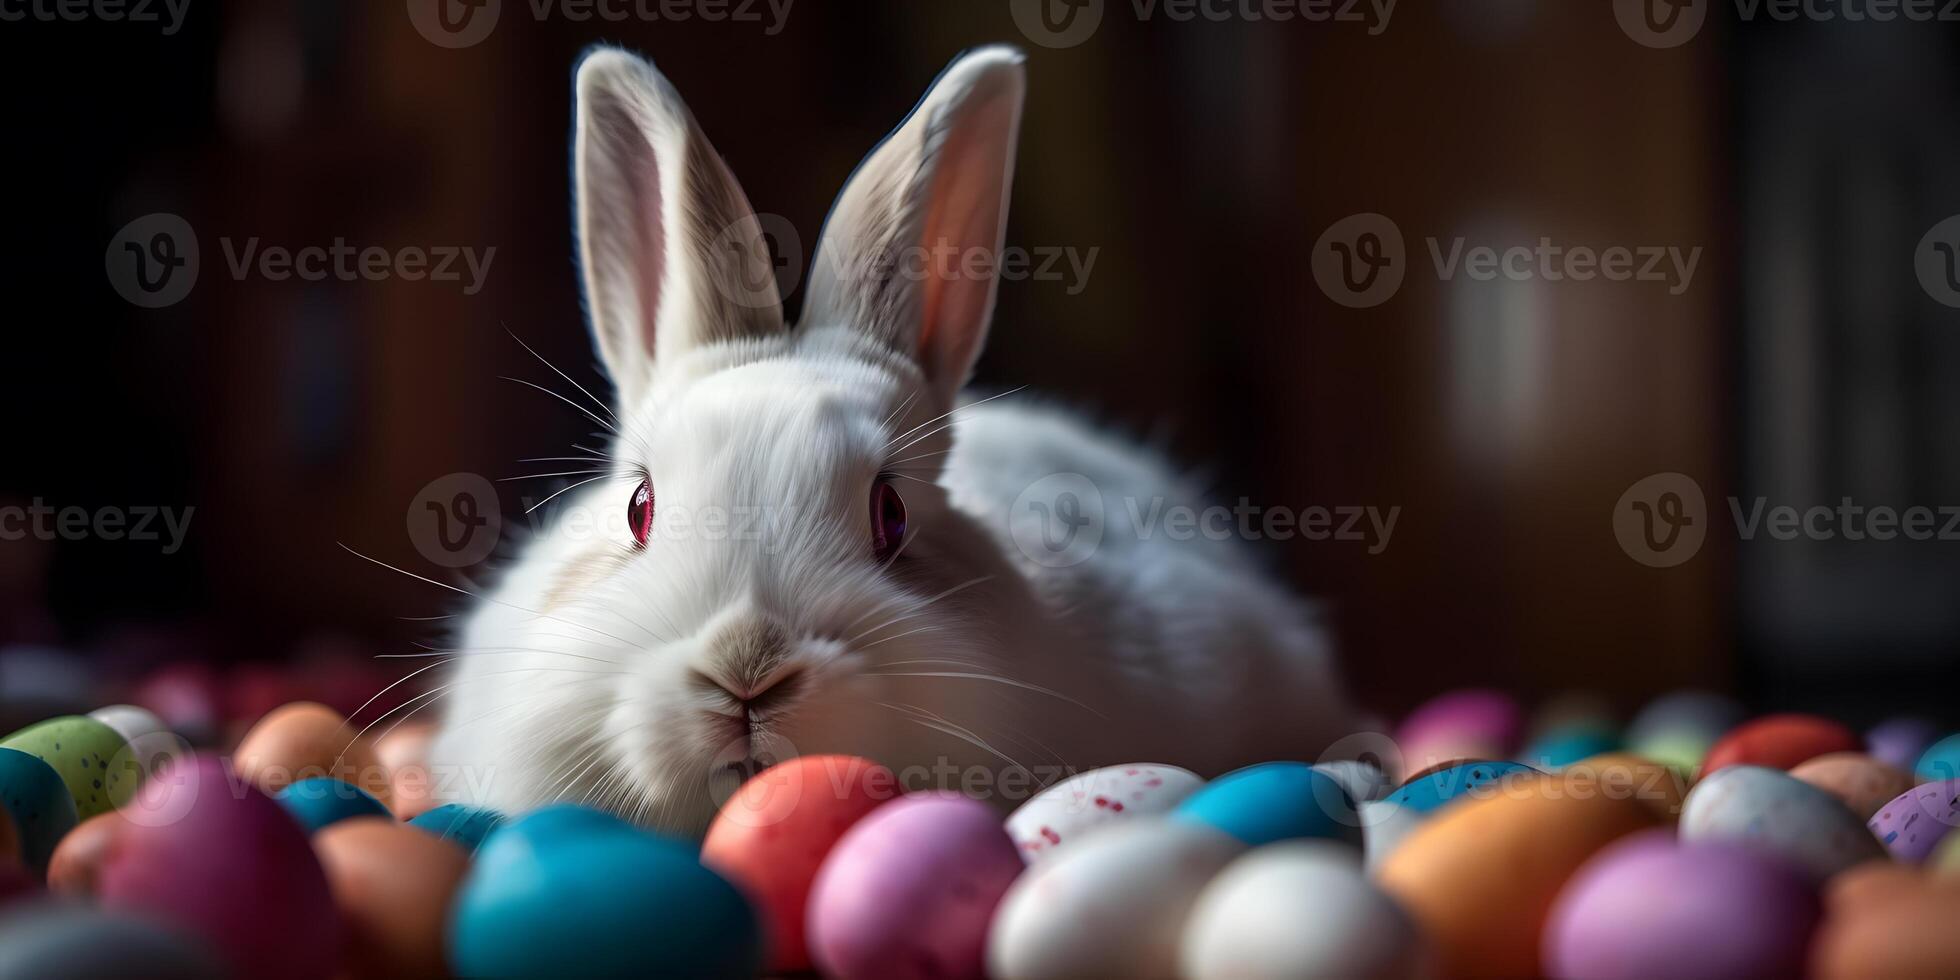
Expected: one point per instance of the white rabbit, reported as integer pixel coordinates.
(839, 555)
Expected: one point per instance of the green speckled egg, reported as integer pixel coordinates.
(95, 761)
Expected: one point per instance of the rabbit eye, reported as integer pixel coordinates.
(639, 511)
(887, 520)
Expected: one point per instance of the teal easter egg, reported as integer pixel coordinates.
(573, 892)
(1275, 801)
(92, 758)
(1940, 761)
(1444, 785)
(324, 800)
(466, 826)
(38, 801)
(1560, 748)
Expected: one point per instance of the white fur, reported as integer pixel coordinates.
(585, 675)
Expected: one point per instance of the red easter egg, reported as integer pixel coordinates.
(78, 859)
(773, 834)
(210, 855)
(1779, 742)
(16, 885)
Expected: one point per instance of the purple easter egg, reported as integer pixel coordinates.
(1651, 907)
(1474, 723)
(210, 855)
(1917, 820)
(1899, 742)
(909, 891)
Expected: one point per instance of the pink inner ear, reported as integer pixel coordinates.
(652, 252)
(627, 236)
(965, 216)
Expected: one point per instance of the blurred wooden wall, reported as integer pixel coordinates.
(1202, 161)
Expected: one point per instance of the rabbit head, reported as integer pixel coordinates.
(779, 539)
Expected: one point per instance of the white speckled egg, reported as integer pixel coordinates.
(1299, 910)
(1383, 827)
(1076, 805)
(1112, 904)
(1772, 811)
(1362, 781)
(154, 744)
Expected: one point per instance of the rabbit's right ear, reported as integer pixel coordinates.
(673, 256)
(911, 251)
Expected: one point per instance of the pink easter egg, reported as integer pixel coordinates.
(207, 853)
(908, 891)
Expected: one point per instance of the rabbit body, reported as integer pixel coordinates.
(837, 554)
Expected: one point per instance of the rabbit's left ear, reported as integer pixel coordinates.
(911, 251)
(673, 255)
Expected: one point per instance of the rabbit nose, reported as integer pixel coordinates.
(754, 697)
(747, 660)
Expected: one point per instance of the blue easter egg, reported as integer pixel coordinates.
(561, 821)
(322, 801)
(69, 940)
(1563, 747)
(1275, 801)
(42, 808)
(573, 892)
(1941, 761)
(467, 826)
(1443, 785)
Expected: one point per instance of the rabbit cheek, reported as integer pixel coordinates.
(577, 577)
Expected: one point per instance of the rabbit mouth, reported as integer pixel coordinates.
(743, 758)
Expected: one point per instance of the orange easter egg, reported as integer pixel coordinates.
(773, 834)
(1859, 781)
(1886, 920)
(393, 885)
(1481, 875)
(81, 854)
(303, 740)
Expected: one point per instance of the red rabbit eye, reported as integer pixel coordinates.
(639, 511)
(887, 520)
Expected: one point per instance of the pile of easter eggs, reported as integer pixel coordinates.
(1693, 841)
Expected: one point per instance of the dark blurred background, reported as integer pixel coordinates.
(1806, 360)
